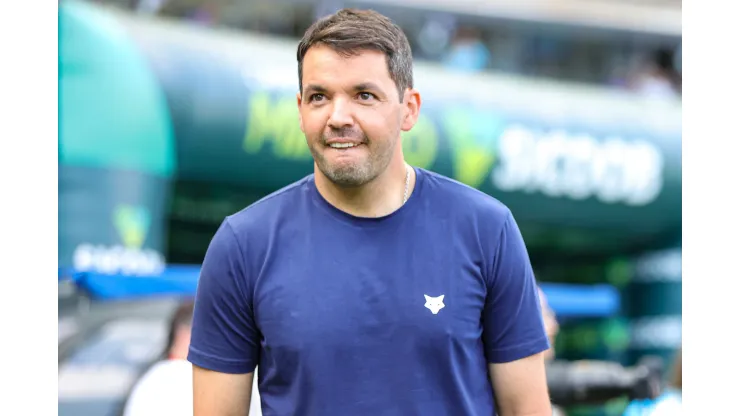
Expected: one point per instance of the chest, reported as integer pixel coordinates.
(368, 287)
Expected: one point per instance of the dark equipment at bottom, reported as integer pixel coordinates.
(596, 382)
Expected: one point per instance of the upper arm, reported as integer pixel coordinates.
(224, 345)
(513, 327)
(221, 394)
(514, 334)
(521, 387)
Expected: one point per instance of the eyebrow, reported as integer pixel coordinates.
(315, 88)
(363, 86)
(366, 86)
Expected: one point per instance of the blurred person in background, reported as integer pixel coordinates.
(657, 76)
(551, 324)
(166, 388)
(467, 52)
(369, 287)
(551, 328)
(668, 403)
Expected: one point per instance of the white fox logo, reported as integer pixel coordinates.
(434, 304)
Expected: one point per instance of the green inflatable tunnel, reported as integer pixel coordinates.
(116, 148)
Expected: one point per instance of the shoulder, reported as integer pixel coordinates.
(246, 235)
(258, 220)
(465, 201)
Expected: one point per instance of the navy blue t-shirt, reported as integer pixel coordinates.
(396, 315)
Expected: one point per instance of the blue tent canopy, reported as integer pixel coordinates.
(567, 300)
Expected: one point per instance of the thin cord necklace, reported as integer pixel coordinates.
(406, 188)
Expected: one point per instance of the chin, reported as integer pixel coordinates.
(332, 166)
(346, 174)
(346, 177)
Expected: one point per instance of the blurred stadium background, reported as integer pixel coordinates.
(176, 113)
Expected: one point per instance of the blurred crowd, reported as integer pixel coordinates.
(641, 63)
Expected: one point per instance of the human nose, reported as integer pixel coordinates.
(341, 114)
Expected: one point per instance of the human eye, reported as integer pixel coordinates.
(366, 96)
(318, 97)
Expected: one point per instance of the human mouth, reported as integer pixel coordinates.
(343, 145)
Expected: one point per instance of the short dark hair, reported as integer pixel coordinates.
(350, 31)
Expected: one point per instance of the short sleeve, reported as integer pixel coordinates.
(513, 326)
(224, 335)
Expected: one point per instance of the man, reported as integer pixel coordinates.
(369, 287)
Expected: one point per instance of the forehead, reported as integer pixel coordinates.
(324, 65)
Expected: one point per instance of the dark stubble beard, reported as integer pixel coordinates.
(357, 174)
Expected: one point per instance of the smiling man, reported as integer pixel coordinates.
(369, 287)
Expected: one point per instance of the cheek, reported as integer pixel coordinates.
(380, 126)
(313, 125)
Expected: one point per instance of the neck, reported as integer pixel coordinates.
(379, 197)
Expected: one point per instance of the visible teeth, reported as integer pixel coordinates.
(342, 145)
